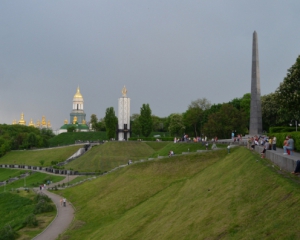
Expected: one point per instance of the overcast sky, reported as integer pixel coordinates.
(167, 53)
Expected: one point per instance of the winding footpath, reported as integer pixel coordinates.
(64, 216)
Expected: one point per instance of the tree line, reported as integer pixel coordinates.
(202, 118)
(15, 137)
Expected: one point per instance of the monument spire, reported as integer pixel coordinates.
(255, 109)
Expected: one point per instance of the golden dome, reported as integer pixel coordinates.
(83, 121)
(66, 121)
(38, 123)
(78, 94)
(49, 124)
(44, 123)
(22, 121)
(74, 120)
(31, 123)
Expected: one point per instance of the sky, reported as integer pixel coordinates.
(166, 52)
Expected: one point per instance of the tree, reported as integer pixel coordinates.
(222, 123)
(111, 122)
(94, 121)
(135, 124)
(193, 118)
(288, 93)
(145, 120)
(32, 140)
(176, 126)
(270, 111)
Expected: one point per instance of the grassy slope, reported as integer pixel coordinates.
(110, 155)
(71, 137)
(33, 157)
(5, 174)
(15, 207)
(179, 148)
(199, 196)
(34, 180)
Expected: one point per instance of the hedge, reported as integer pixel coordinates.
(280, 137)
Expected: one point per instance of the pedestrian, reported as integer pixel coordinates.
(61, 201)
(274, 143)
(65, 202)
(228, 148)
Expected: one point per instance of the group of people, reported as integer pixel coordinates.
(63, 202)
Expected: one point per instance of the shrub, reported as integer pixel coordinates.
(31, 221)
(7, 233)
(43, 206)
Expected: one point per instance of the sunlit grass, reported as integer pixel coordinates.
(33, 157)
(213, 195)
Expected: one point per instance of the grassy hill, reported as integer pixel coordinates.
(213, 195)
(110, 155)
(15, 207)
(33, 157)
(70, 138)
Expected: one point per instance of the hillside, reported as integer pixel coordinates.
(70, 138)
(213, 195)
(33, 157)
(110, 155)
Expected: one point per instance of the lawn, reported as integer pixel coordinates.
(213, 195)
(33, 157)
(110, 155)
(5, 173)
(15, 207)
(34, 180)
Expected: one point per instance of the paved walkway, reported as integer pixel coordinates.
(63, 219)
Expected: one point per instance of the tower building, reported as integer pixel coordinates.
(77, 108)
(123, 131)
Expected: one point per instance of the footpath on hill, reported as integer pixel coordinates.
(64, 217)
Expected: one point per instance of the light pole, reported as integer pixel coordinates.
(296, 124)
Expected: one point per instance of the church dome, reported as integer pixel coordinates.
(78, 94)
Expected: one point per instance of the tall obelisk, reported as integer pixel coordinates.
(255, 109)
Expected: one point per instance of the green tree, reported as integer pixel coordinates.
(288, 93)
(270, 111)
(145, 120)
(71, 129)
(32, 140)
(111, 122)
(135, 124)
(176, 126)
(94, 121)
(222, 123)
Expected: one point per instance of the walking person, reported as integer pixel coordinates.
(274, 143)
(65, 202)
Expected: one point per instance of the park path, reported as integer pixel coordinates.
(64, 217)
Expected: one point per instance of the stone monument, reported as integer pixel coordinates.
(123, 129)
(255, 108)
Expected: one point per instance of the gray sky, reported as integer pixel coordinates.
(167, 53)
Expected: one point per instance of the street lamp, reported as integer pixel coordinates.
(296, 124)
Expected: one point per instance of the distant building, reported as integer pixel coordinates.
(77, 116)
(42, 124)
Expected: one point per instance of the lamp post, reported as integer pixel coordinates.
(296, 124)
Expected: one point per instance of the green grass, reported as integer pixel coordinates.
(34, 180)
(80, 178)
(15, 207)
(33, 157)
(179, 148)
(157, 145)
(213, 195)
(70, 137)
(5, 174)
(110, 155)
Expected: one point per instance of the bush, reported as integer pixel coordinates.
(7, 233)
(281, 129)
(280, 137)
(31, 221)
(43, 206)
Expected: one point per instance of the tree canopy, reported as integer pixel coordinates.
(111, 122)
(145, 120)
